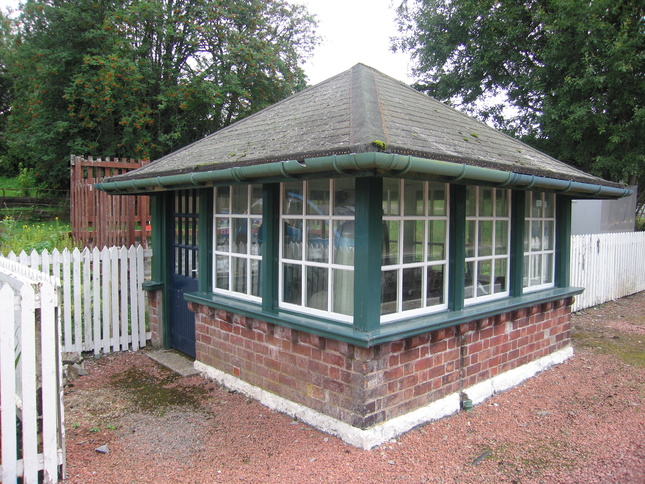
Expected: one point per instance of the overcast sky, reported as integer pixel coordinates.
(353, 31)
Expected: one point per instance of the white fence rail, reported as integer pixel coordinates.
(103, 307)
(32, 438)
(608, 266)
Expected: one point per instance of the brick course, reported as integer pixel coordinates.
(366, 386)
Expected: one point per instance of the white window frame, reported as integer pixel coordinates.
(399, 266)
(253, 252)
(535, 250)
(330, 266)
(472, 262)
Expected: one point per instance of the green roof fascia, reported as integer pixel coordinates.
(356, 164)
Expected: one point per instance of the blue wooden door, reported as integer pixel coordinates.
(183, 270)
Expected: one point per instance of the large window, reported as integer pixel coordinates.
(415, 247)
(539, 241)
(237, 240)
(488, 233)
(317, 247)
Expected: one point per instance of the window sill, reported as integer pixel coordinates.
(387, 332)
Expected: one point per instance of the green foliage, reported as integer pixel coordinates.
(16, 235)
(143, 78)
(571, 71)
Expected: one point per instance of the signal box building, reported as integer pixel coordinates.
(362, 257)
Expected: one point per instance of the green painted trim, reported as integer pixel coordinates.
(388, 332)
(205, 241)
(359, 164)
(457, 244)
(562, 240)
(152, 286)
(162, 214)
(518, 225)
(368, 250)
(270, 246)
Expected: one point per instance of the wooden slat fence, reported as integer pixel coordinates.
(103, 306)
(99, 219)
(608, 266)
(33, 439)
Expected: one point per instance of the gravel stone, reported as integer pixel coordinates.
(592, 430)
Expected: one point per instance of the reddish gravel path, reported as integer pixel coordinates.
(580, 422)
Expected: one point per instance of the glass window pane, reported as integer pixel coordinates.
(412, 285)
(413, 241)
(501, 197)
(471, 201)
(317, 240)
(292, 280)
(222, 196)
(485, 242)
(548, 269)
(471, 234)
(436, 240)
(221, 234)
(391, 196)
(240, 231)
(501, 237)
(344, 196)
(222, 271)
(256, 284)
(256, 236)
(549, 205)
(317, 288)
(549, 234)
(413, 197)
(292, 239)
(484, 273)
(388, 292)
(536, 205)
(536, 235)
(343, 297)
(485, 202)
(343, 234)
(238, 274)
(391, 249)
(435, 285)
(293, 198)
(525, 270)
(318, 197)
(437, 205)
(501, 266)
(240, 199)
(256, 199)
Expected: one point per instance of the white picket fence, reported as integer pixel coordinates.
(103, 306)
(608, 266)
(30, 372)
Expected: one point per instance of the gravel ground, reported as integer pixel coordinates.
(580, 422)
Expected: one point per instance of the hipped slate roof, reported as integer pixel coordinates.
(358, 111)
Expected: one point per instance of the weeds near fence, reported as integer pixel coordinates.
(17, 236)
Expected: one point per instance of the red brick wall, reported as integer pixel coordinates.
(154, 307)
(365, 386)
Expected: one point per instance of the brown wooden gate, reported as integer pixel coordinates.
(99, 219)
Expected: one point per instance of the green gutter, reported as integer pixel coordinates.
(360, 163)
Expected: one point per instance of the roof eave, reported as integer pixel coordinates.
(359, 164)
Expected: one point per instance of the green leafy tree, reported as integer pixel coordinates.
(565, 75)
(5, 84)
(143, 78)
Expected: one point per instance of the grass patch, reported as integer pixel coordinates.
(157, 393)
(628, 347)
